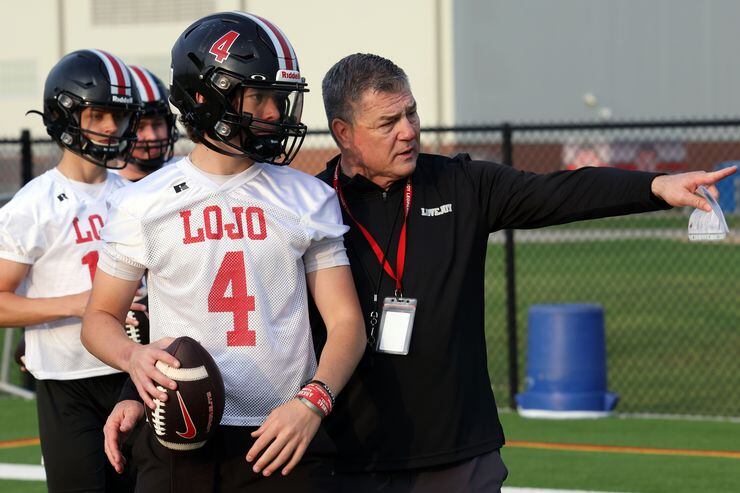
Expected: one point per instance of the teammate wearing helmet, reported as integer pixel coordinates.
(157, 133)
(231, 241)
(49, 246)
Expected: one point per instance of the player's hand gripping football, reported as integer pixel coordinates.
(121, 421)
(145, 375)
(679, 190)
(284, 437)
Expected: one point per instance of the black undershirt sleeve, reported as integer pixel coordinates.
(129, 392)
(515, 199)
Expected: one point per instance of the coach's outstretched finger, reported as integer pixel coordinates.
(680, 190)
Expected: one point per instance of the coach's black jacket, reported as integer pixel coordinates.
(435, 406)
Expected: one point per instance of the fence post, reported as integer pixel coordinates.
(511, 329)
(26, 157)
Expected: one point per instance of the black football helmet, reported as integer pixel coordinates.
(218, 57)
(91, 79)
(154, 102)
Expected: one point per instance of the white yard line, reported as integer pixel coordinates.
(22, 472)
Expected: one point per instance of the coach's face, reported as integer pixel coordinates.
(382, 141)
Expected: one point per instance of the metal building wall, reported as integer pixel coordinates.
(533, 60)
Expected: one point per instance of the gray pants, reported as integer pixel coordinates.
(482, 474)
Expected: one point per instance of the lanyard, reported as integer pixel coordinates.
(401, 253)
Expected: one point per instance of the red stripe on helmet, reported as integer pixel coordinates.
(121, 82)
(144, 82)
(284, 43)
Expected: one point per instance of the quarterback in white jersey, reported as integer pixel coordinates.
(50, 241)
(227, 261)
(232, 244)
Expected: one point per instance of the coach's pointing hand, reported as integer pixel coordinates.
(680, 190)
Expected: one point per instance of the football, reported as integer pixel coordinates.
(139, 333)
(191, 413)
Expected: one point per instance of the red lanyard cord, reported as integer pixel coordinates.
(379, 254)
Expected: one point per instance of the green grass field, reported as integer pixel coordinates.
(608, 471)
(18, 421)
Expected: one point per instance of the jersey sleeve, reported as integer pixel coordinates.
(114, 265)
(326, 253)
(122, 235)
(22, 238)
(323, 218)
(513, 198)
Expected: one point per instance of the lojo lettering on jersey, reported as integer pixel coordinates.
(89, 232)
(214, 224)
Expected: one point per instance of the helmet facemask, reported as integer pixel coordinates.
(80, 126)
(151, 154)
(243, 127)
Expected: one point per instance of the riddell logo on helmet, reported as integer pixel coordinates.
(122, 99)
(289, 75)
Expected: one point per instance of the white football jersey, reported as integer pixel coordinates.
(54, 226)
(225, 267)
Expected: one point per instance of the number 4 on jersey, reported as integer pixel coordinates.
(232, 273)
(220, 49)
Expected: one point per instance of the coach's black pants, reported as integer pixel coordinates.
(482, 474)
(71, 418)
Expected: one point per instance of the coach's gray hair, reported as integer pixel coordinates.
(349, 78)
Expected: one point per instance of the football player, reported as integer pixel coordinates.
(233, 242)
(49, 247)
(157, 132)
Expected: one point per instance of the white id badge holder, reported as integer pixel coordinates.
(396, 325)
(708, 226)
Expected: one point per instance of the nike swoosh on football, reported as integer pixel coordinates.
(190, 430)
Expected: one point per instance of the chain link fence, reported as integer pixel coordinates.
(671, 307)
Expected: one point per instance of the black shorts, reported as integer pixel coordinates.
(220, 466)
(72, 414)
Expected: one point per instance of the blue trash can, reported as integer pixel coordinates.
(729, 188)
(566, 363)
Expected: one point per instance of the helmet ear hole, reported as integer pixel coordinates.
(54, 115)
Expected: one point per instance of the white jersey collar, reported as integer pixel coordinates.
(90, 192)
(211, 181)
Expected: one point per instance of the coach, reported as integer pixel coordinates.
(419, 413)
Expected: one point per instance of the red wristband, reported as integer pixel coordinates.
(327, 389)
(317, 396)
